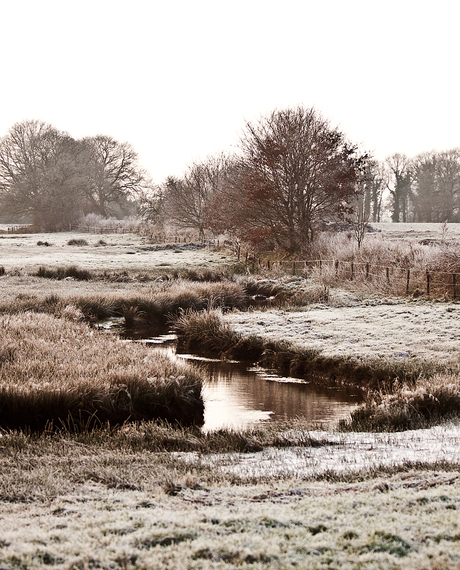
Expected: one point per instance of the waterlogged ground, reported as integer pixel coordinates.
(406, 521)
(342, 453)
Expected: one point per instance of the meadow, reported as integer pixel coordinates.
(97, 483)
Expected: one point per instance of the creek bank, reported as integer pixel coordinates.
(400, 393)
(208, 334)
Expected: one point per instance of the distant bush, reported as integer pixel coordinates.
(97, 222)
(44, 243)
(64, 272)
(77, 242)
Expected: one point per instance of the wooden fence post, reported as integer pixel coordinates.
(293, 268)
(454, 283)
(388, 275)
(407, 282)
(427, 283)
(336, 267)
(352, 267)
(367, 270)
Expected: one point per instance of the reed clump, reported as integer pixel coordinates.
(426, 404)
(59, 273)
(55, 374)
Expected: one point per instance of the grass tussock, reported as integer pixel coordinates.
(59, 273)
(77, 241)
(426, 404)
(54, 373)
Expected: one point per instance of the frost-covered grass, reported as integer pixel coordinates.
(109, 252)
(153, 304)
(363, 328)
(56, 373)
(92, 507)
(295, 498)
(411, 348)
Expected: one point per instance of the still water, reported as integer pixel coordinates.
(236, 396)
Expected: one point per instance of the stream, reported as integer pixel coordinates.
(237, 396)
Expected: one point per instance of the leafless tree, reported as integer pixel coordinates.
(436, 180)
(114, 175)
(41, 175)
(296, 172)
(400, 186)
(187, 200)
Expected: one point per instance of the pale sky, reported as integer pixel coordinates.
(178, 78)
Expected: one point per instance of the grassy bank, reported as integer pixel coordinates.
(153, 305)
(57, 373)
(399, 395)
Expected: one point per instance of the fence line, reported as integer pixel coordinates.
(412, 279)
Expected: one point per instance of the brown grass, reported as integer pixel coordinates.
(55, 373)
(428, 403)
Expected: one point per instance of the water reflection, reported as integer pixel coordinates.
(236, 397)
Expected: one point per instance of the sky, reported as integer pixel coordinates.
(179, 79)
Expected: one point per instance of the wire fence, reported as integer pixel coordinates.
(408, 280)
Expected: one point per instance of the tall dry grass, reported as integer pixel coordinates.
(427, 403)
(380, 266)
(154, 305)
(54, 373)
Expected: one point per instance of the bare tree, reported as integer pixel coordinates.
(374, 183)
(296, 172)
(400, 186)
(41, 175)
(187, 200)
(436, 179)
(114, 176)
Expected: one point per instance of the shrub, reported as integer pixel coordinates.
(77, 241)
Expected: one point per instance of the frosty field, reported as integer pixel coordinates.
(363, 329)
(352, 500)
(113, 252)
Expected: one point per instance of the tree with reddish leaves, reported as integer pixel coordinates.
(295, 173)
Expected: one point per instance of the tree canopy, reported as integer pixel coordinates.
(294, 173)
(51, 180)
